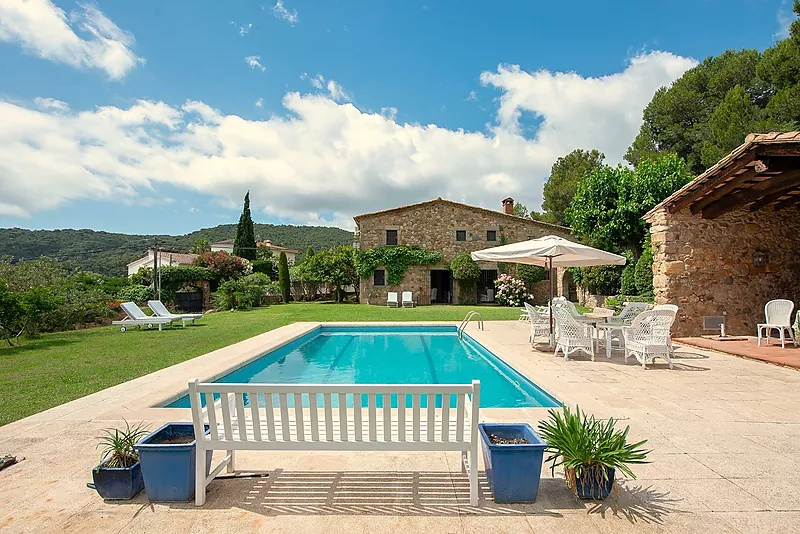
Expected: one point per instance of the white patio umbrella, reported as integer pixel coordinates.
(548, 252)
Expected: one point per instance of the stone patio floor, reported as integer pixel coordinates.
(725, 435)
(748, 348)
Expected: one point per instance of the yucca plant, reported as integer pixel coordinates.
(588, 448)
(117, 445)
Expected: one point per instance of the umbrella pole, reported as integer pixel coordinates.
(550, 303)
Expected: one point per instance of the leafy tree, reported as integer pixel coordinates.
(225, 266)
(628, 277)
(309, 252)
(283, 278)
(467, 272)
(336, 267)
(37, 303)
(565, 175)
(644, 271)
(601, 280)
(244, 244)
(520, 210)
(531, 274)
(12, 313)
(713, 106)
(199, 246)
(608, 205)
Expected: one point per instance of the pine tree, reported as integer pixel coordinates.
(244, 245)
(283, 278)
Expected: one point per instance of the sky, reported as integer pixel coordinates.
(157, 117)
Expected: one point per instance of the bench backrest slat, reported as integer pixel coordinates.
(249, 413)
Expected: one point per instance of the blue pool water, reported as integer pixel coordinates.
(391, 355)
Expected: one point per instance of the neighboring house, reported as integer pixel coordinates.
(166, 257)
(449, 228)
(227, 246)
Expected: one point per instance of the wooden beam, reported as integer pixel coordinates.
(745, 162)
(779, 150)
(784, 182)
(791, 201)
(776, 193)
(762, 169)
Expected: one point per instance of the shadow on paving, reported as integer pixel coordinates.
(412, 493)
(637, 504)
(618, 358)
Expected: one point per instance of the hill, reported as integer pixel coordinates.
(108, 253)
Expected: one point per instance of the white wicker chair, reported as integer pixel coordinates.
(648, 337)
(778, 313)
(674, 309)
(540, 323)
(628, 313)
(572, 335)
(562, 301)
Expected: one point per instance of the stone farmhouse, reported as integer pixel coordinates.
(449, 228)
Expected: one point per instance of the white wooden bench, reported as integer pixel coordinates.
(291, 417)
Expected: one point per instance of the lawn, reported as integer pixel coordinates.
(63, 366)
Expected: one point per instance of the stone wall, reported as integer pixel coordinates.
(706, 266)
(433, 226)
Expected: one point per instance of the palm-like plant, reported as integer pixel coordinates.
(117, 445)
(588, 447)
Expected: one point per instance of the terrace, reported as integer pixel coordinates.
(725, 455)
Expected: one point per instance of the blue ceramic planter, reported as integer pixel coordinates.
(118, 482)
(169, 468)
(513, 470)
(592, 489)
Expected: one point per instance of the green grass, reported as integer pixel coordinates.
(63, 366)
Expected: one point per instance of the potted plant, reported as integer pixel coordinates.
(168, 458)
(590, 450)
(119, 475)
(512, 453)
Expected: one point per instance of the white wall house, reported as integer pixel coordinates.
(227, 246)
(165, 258)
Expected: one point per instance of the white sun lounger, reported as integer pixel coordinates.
(161, 311)
(391, 299)
(136, 317)
(408, 299)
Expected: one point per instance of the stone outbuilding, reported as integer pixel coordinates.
(449, 228)
(729, 241)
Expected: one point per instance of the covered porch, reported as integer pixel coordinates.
(729, 241)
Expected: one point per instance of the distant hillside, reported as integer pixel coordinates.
(108, 253)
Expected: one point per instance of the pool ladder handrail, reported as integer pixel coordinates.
(465, 322)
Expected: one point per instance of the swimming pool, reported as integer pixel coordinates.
(391, 355)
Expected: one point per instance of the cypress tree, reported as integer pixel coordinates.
(244, 244)
(283, 278)
(309, 253)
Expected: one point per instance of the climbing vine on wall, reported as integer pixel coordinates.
(396, 260)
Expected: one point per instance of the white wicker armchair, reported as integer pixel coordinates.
(648, 337)
(778, 314)
(628, 313)
(540, 323)
(572, 335)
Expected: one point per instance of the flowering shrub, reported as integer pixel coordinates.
(225, 266)
(510, 291)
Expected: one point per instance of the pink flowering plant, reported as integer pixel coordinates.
(510, 291)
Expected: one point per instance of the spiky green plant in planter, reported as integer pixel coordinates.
(117, 445)
(590, 450)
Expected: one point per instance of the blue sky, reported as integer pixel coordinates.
(157, 116)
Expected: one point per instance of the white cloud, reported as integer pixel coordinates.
(577, 112)
(323, 161)
(43, 29)
(785, 18)
(244, 29)
(472, 96)
(282, 13)
(254, 63)
(333, 88)
(259, 103)
(51, 104)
